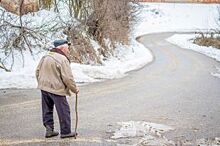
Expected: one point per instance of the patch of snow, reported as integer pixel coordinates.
(208, 142)
(217, 73)
(139, 129)
(136, 133)
(142, 133)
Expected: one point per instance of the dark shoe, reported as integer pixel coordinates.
(73, 134)
(50, 132)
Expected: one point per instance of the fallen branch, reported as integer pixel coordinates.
(2, 66)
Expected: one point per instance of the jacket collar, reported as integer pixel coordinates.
(56, 50)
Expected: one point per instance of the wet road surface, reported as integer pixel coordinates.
(176, 89)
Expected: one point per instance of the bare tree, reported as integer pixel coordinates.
(79, 8)
(106, 21)
(18, 35)
(110, 20)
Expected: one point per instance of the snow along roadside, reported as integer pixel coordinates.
(128, 58)
(186, 41)
(155, 17)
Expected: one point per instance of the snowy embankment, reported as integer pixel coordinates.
(186, 41)
(182, 18)
(128, 58)
(125, 59)
(154, 17)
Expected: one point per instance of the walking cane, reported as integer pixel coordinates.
(76, 124)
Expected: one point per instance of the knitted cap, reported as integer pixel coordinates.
(57, 43)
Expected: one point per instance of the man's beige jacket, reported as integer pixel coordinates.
(54, 75)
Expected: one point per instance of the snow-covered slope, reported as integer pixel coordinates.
(154, 17)
(167, 17)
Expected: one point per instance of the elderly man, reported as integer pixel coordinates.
(55, 80)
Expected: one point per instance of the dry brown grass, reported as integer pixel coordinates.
(81, 49)
(208, 41)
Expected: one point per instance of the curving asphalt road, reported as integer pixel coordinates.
(176, 89)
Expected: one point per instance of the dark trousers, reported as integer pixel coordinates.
(63, 111)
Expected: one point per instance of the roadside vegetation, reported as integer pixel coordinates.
(105, 22)
(208, 39)
(211, 38)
